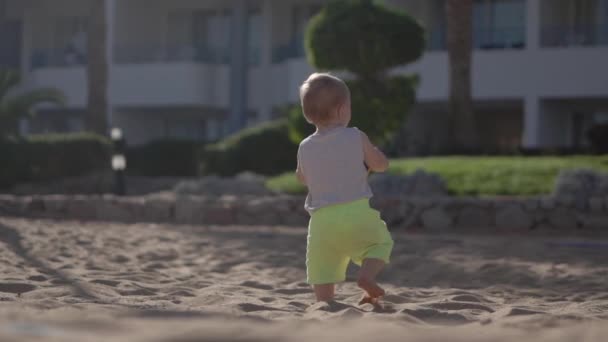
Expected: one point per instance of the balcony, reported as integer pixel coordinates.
(292, 50)
(57, 58)
(483, 39)
(183, 75)
(147, 54)
(579, 35)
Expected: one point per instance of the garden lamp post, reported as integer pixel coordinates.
(119, 161)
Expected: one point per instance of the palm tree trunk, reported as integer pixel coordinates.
(463, 129)
(97, 70)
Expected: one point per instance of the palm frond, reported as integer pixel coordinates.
(8, 79)
(24, 104)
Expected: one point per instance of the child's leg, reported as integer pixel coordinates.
(367, 278)
(324, 292)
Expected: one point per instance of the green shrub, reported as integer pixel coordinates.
(480, 176)
(362, 37)
(164, 158)
(50, 157)
(265, 149)
(367, 40)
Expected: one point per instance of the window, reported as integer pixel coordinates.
(3, 9)
(194, 130)
(254, 35)
(499, 24)
(70, 41)
(200, 35)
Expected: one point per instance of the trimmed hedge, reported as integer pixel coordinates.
(53, 156)
(598, 136)
(363, 37)
(164, 158)
(264, 149)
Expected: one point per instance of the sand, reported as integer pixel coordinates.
(76, 281)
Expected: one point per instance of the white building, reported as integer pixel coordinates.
(201, 68)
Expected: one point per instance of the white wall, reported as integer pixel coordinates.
(71, 81)
(167, 84)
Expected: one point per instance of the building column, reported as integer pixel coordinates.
(265, 113)
(532, 135)
(238, 67)
(26, 44)
(533, 24)
(110, 7)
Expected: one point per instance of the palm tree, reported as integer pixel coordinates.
(97, 70)
(463, 128)
(21, 105)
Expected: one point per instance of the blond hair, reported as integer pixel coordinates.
(320, 95)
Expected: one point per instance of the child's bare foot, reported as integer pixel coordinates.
(371, 287)
(368, 300)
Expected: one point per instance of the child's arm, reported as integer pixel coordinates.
(374, 158)
(299, 172)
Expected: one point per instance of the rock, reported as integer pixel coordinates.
(262, 211)
(56, 205)
(436, 219)
(547, 203)
(34, 205)
(11, 205)
(296, 219)
(82, 207)
(243, 184)
(531, 204)
(563, 219)
(582, 185)
(596, 204)
(566, 201)
(473, 217)
(158, 210)
(513, 217)
(599, 222)
(189, 209)
(117, 209)
(420, 183)
(219, 214)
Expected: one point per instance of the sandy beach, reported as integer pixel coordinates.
(75, 281)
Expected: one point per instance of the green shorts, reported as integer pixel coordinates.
(340, 233)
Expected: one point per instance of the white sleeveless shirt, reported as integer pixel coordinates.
(333, 166)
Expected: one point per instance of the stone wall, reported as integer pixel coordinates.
(444, 214)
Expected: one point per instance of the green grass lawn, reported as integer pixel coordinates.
(480, 176)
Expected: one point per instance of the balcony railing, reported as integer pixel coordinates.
(579, 35)
(499, 38)
(293, 49)
(57, 58)
(483, 38)
(172, 54)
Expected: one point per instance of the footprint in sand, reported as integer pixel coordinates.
(182, 293)
(470, 298)
(433, 316)
(395, 299)
(459, 306)
(293, 291)
(250, 307)
(39, 278)
(256, 285)
(298, 305)
(17, 288)
(120, 259)
(519, 312)
(112, 283)
(138, 292)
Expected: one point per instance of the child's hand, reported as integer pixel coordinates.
(374, 158)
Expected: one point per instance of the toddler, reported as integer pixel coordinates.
(333, 163)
